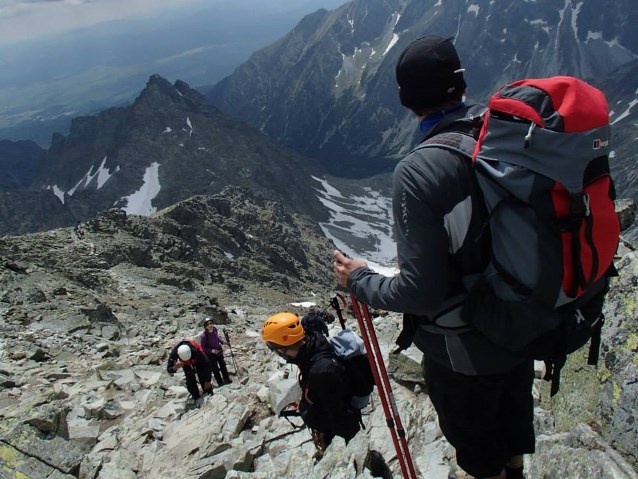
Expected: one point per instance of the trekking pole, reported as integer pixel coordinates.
(232, 355)
(384, 388)
(334, 302)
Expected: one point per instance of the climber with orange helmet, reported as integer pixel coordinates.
(325, 402)
(189, 356)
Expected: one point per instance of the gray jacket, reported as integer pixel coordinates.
(439, 241)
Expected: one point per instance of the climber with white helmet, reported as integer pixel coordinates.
(189, 356)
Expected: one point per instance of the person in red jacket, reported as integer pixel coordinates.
(189, 356)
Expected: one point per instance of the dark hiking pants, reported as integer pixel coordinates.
(192, 375)
(220, 371)
(488, 419)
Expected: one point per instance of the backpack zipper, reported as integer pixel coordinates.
(528, 137)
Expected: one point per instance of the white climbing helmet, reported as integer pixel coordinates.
(184, 352)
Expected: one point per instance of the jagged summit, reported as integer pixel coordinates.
(169, 144)
(159, 90)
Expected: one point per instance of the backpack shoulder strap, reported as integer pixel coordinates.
(456, 141)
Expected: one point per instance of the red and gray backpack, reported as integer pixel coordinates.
(541, 162)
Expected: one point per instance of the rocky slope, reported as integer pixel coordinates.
(89, 315)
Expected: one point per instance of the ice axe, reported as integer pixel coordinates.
(334, 302)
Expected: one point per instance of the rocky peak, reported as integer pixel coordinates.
(159, 94)
(171, 141)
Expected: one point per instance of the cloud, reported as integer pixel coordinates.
(26, 19)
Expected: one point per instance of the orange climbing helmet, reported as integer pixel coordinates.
(282, 329)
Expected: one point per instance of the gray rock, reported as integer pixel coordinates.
(283, 392)
(626, 211)
(406, 366)
(61, 454)
(577, 455)
(16, 464)
(7, 381)
(47, 418)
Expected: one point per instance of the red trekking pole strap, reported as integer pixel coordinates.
(393, 420)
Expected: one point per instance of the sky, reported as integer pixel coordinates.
(29, 19)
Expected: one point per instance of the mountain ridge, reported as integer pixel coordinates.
(168, 145)
(342, 81)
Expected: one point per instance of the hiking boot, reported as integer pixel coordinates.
(377, 465)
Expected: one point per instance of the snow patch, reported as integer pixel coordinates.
(575, 12)
(366, 219)
(168, 129)
(395, 39)
(593, 36)
(140, 202)
(304, 304)
(190, 126)
(613, 43)
(351, 22)
(102, 173)
(538, 21)
(474, 8)
(625, 113)
(57, 192)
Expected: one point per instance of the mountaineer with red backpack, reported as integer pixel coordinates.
(502, 260)
(189, 356)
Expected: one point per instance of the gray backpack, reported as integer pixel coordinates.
(541, 163)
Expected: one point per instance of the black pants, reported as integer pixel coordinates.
(219, 365)
(488, 419)
(191, 380)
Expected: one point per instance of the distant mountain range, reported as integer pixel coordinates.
(327, 89)
(47, 81)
